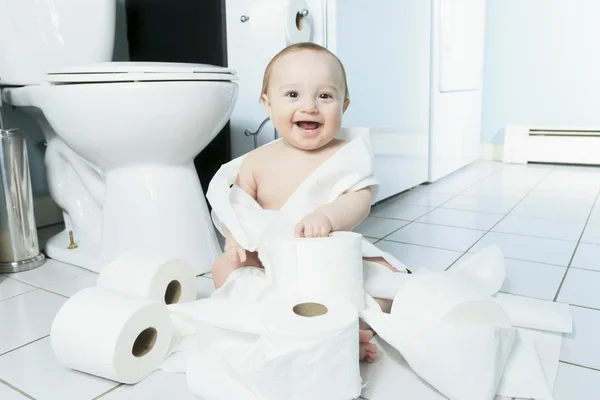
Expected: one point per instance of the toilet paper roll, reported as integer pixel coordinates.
(276, 24)
(322, 266)
(308, 350)
(169, 281)
(111, 335)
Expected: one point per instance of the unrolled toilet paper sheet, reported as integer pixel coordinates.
(111, 335)
(300, 354)
(169, 281)
(452, 327)
(434, 313)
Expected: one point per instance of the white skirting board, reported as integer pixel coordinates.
(560, 145)
(46, 211)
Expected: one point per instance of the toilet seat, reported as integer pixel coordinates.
(112, 72)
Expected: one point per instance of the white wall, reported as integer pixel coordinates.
(542, 64)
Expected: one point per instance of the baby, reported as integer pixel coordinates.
(305, 94)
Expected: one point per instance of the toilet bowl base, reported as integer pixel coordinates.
(84, 256)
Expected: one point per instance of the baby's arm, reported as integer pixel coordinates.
(245, 180)
(348, 210)
(343, 214)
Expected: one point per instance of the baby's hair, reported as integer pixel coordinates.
(297, 47)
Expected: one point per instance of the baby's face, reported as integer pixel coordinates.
(305, 98)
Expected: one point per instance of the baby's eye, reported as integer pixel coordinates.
(325, 96)
(292, 94)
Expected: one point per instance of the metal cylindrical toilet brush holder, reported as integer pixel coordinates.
(19, 247)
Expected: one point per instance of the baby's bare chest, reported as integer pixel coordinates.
(276, 185)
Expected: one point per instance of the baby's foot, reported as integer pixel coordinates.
(367, 351)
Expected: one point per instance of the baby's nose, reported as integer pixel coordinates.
(310, 107)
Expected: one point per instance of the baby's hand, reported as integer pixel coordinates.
(315, 224)
(235, 253)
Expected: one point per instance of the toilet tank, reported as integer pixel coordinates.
(41, 35)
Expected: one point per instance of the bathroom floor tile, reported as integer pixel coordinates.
(587, 256)
(50, 272)
(375, 227)
(442, 237)
(527, 248)
(29, 317)
(580, 347)
(71, 286)
(531, 279)
(159, 385)
(399, 211)
(35, 370)
(540, 227)
(483, 204)
(591, 234)
(581, 288)
(421, 199)
(7, 393)
(205, 286)
(595, 215)
(447, 186)
(415, 257)
(574, 382)
(492, 188)
(461, 219)
(551, 208)
(10, 287)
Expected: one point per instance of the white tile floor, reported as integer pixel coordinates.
(546, 220)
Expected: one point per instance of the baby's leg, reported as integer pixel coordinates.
(385, 304)
(368, 351)
(222, 268)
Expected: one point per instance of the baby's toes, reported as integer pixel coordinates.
(365, 336)
(368, 352)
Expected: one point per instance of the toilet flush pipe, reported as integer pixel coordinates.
(248, 132)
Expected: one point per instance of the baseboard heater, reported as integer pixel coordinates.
(556, 145)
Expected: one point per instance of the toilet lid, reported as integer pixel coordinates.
(139, 72)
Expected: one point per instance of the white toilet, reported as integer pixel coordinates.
(121, 137)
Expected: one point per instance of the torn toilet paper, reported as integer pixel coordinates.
(349, 169)
(308, 349)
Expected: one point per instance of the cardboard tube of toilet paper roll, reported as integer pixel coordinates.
(169, 281)
(276, 24)
(111, 335)
(323, 266)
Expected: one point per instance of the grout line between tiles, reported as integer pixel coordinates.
(575, 250)
(108, 391)
(16, 389)
(23, 345)
(422, 245)
(579, 365)
(578, 306)
(56, 293)
(33, 288)
(501, 219)
(434, 208)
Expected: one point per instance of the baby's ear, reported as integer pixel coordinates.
(267, 103)
(346, 104)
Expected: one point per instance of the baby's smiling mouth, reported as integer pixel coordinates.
(308, 125)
